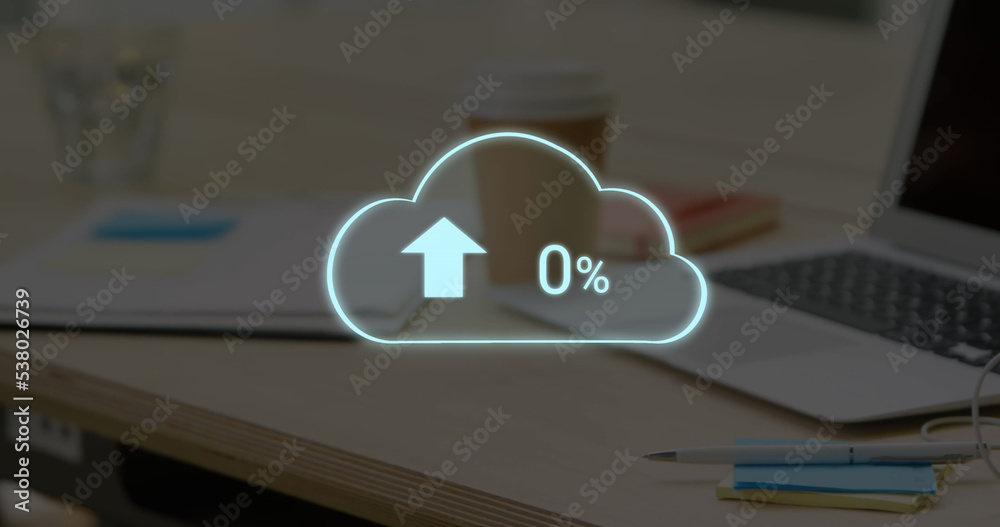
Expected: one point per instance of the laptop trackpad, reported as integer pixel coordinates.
(753, 335)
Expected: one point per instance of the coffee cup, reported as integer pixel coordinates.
(532, 196)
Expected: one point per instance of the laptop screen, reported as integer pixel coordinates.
(952, 171)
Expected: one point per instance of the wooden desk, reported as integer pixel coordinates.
(364, 452)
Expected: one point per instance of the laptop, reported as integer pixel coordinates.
(892, 319)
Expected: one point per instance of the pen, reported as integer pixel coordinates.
(826, 454)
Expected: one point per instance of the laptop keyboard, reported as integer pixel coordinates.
(885, 298)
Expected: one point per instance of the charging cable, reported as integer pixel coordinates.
(975, 419)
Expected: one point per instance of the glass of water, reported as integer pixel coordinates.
(107, 90)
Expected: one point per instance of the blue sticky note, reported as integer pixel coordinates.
(132, 225)
(906, 479)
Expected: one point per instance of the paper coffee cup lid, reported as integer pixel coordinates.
(540, 91)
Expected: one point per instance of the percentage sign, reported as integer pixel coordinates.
(584, 265)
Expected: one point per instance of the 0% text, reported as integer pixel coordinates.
(584, 266)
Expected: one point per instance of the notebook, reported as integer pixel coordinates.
(701, 221)
(901, 503)
(831, 478)
(146, 268)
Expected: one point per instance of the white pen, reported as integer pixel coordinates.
(826, 454)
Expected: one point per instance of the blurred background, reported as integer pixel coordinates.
(230, 65)
(216, 71)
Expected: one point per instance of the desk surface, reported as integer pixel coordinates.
(364, 452)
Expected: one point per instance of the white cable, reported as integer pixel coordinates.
(975, 414)
(975, 419)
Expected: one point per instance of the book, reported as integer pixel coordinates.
(224, 270)
(892, 478)
(907, 503)
(701, 220)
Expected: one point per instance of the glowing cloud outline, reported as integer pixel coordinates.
(703, 301)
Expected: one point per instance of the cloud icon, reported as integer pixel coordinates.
(689, 314)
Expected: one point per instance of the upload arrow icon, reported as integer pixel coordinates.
(444, 247)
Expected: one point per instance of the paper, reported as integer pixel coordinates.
(153, 259)
(878, 501)
(208, 274)
(831, 478)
